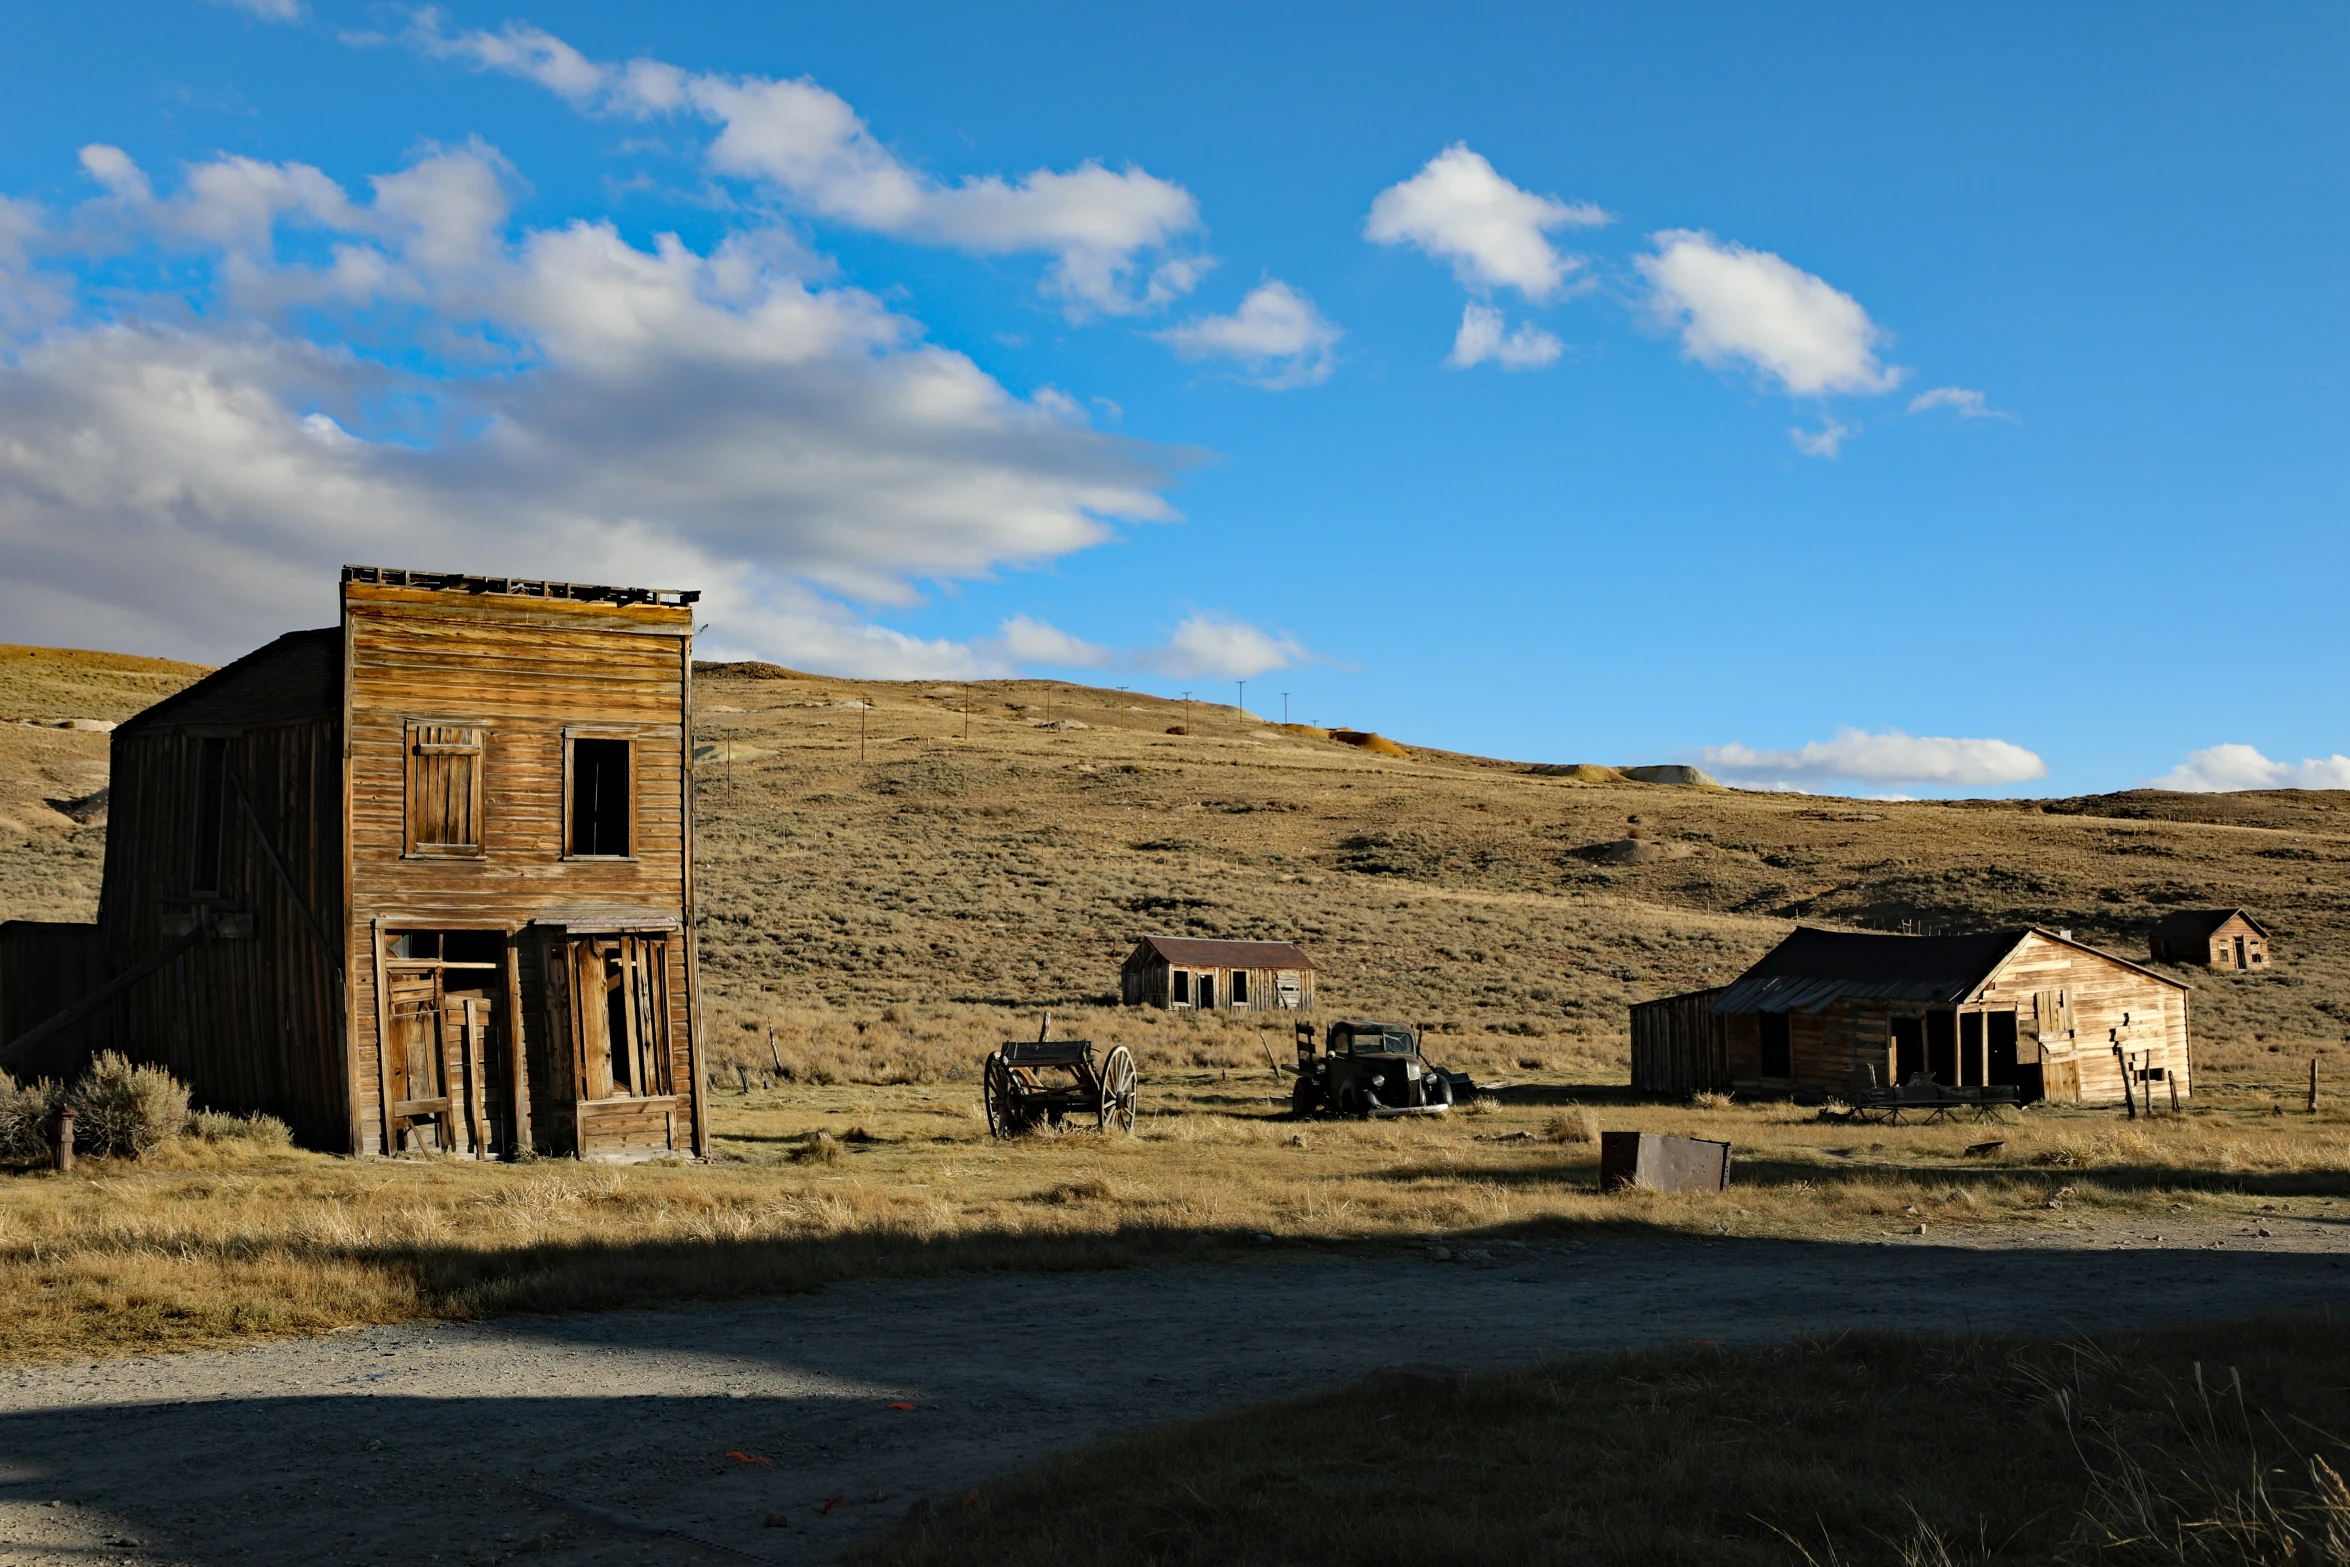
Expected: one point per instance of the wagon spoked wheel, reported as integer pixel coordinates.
(996, 1089)
(1118, 1080)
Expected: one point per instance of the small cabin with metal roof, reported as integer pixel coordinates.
(2213, 938)
(418, 882)
(1835, 1012)
(1192, 973)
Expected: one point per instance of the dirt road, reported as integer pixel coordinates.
(543, 1439)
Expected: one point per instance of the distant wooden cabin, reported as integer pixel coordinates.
(2213, 938)
(1829, 1011)
(421, 881)
(1217, 976)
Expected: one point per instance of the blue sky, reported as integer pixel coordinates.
(1922, 400)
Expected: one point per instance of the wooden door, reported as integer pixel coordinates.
(2240, 963)
(415, 1057)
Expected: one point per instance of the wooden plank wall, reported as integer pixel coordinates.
(525, 669)
(1678, 1047)
(2101, 992)
(248, 1021)
(1264, 993)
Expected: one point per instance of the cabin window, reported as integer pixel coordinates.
(1240, 987)
(1778, 1045)
(211, 803)
(1285, 985)
(600, 781)
(1206, 996)
(1181, 995)
(444, 789)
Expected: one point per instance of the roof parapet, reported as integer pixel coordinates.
(518, 587)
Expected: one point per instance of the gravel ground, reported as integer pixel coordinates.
(773, 1430)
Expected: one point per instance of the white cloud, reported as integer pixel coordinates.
(1482, 337)
(1277, 335)
(1021, 641)
(1111, 233)
(2225, 767)
(1826, 441)
(1966, 404)
(184, 481)
(1494, 234)
(1215, 646)
(1888, 758)
(1731, 303)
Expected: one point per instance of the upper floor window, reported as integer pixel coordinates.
(444, 788)
(599, 784)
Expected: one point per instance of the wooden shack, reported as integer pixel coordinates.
(1835, 1011)
(2212, 938)
(421, 881)
(1185, 972)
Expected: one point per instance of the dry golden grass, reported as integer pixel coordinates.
(208, 1243)
(2218, 1445)
(871, 928)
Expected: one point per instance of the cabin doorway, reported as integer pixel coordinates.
(1909, 1047)
(2240, 961)
(628, 1106)
(1207, 991)
(447, 1061)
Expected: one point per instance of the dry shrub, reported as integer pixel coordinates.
(259, 1129)
(823, 1148)
(1574, 1124)
(25, 1111)
(1709, 1101)
(123, 1109)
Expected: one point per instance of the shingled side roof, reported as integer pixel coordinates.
(1195, 953)
(300, 675)
(2196, 924)
(1814, 969)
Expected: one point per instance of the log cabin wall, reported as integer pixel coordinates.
(474, 700)
(249, 1014)
(1679, 1046)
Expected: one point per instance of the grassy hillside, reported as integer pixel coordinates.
(1515, 906)
(1000, 845)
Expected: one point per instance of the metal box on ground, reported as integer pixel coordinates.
(1661, 1163)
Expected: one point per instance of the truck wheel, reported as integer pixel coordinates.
(1352, 1100)
(1305, 1098)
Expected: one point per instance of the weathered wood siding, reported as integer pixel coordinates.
(525, 670)
(1152, 983)
(248, 1016)
(1679, 1047)
(2106, 1003)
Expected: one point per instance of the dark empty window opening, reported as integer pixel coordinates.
(600, 787)
(1240, 987)
(1778, 1045)
(1942, 1047)
(1181, 995)
(1207, 990)
(211, 802)
(1909, 1047)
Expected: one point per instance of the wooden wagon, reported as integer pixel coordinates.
(1055, 1080)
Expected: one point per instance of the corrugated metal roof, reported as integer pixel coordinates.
(1814, 969)
(1197, 953)
(300, 675)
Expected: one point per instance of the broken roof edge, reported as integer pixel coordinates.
(1812, 994)
(244, 692)
(1217, 951)
(516, 587)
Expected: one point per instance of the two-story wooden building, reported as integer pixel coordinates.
(424, 880)
(1831, 1011)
